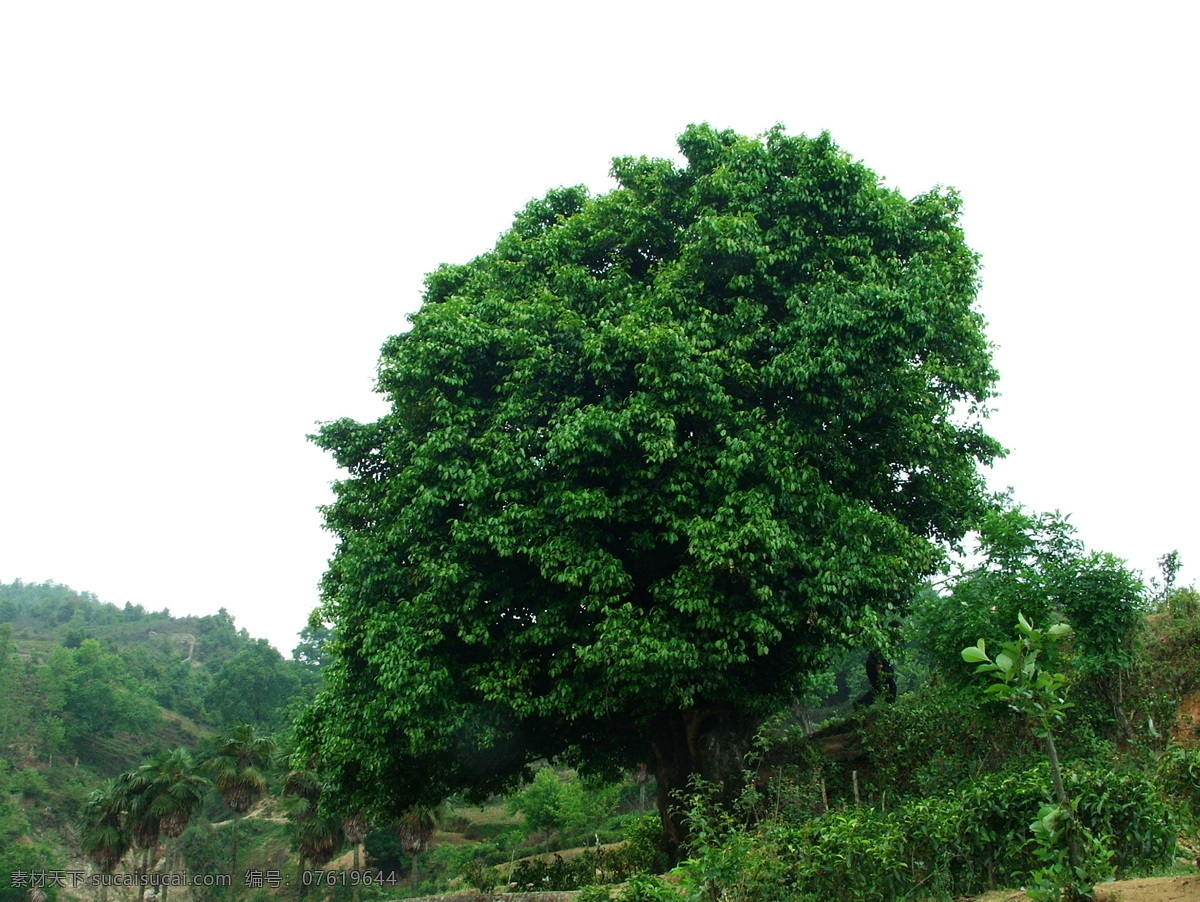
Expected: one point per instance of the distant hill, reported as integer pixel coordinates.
(94, 680)
(89, 690)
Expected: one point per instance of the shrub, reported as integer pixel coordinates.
(1126, 810)
(592, 866)
(384, 851)
(640, 888)
(644, 888)
(938, 736)
(566, 806)
(727, 859)
(996, 830)
(643, 845)
(1179, 777)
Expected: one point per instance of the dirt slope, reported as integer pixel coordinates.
(1148, 889)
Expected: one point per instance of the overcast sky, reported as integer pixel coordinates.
(212, 215)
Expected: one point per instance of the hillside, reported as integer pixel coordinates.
(89, 690)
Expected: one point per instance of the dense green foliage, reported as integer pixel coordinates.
(1035, 565)
(951, 843)
(253, 686)
(564, 807)
(1179, 776)
(950, 790)
(87, 680)
(646, 463)
(18, 850)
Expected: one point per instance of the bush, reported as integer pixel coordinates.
(26, 860)
(644, 888)
(727, 859)
(1126, 809)
(643, 845)
(592, 866)
(384, 851)
(206, 853)
(955, 844)
(1179, 778)
(938, 736)
(566, 807)
(640, 888)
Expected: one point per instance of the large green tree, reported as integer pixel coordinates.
(253, 686)
(645, 463)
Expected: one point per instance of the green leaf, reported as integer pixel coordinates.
(973, 655)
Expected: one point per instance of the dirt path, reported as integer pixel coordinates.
(1148, 889)
(1153, 889)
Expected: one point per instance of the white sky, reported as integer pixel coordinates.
(212, 214)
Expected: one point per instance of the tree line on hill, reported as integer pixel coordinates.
(90, 691)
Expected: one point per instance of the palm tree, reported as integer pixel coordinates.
(415, 827)
(318, 839)
(301, 792)
(163, 795)
(103, 835)
(354, 828)
(237, 765)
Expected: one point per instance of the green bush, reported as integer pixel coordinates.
(205, 852)
(640, 888)
(644, 888)
(26, 860)
(384, 851)
(1126, 809)
(851, 855)
(729, 859)
(643, 845)
(938, 736)
(592, 866)
(568, 810)
(954, 844)
(1179, 777)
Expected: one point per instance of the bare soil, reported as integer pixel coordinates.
(1187, 725)
(1152, 889)
(1146, 889)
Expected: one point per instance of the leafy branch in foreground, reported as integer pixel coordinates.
(1039, 695)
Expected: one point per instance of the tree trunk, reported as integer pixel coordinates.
(146, 860)
(237, 817)
(357, 872)
(710, 742)
(1060, 790)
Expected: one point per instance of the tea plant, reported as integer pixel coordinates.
(1038, 694)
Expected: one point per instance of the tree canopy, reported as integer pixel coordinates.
(646, 463)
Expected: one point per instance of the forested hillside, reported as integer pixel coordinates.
(89, 691)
